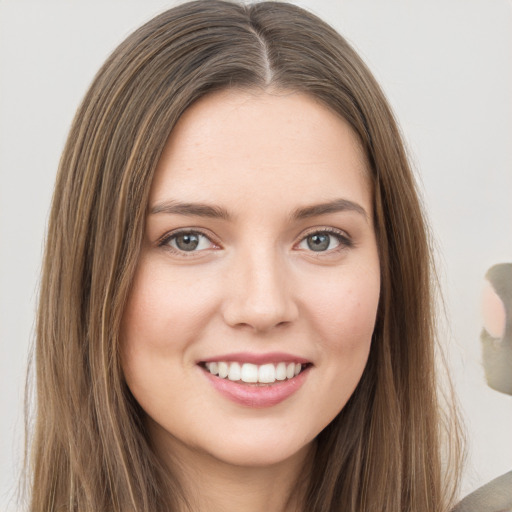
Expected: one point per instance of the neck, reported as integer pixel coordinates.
(245, 489)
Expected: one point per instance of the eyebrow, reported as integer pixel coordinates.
(172, 207)
(338, 205)
(191, 209)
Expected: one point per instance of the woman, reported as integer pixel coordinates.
(235, 307)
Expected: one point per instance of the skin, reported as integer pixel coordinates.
(497, 332)
(493, 311)
(252, 285)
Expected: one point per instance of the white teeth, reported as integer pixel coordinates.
(281, 371)
(267, 373)
(249, 373)
(252, 373)
(234, 371)
(223, 370)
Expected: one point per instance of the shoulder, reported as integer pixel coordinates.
(496, 496)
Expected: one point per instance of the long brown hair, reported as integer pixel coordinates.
(90, 450)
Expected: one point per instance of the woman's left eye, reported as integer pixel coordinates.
(323, 241)
(188, 241)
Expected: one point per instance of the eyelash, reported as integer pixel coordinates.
(343, 239)
(164, 242)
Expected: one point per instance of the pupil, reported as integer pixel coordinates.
(187, 242)
(318, 242)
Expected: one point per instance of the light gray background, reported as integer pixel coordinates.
(446, 66)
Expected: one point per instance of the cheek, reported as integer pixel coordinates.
(343, 317)
(158, 326)
(345, 310)
(164, 307)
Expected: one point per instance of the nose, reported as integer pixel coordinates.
(259, 294)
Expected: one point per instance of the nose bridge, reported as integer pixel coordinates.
(260, 293)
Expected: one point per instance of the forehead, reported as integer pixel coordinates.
(278, 146)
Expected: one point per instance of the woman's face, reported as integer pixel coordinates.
(250, 318)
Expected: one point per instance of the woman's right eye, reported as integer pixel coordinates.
(187, 242)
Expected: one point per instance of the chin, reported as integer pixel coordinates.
(257, 455)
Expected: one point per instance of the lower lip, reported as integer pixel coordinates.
(257, 396)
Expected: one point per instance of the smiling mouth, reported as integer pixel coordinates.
(249, 373)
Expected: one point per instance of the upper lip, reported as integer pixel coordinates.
(259, 359)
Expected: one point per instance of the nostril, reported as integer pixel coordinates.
(260, 316)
